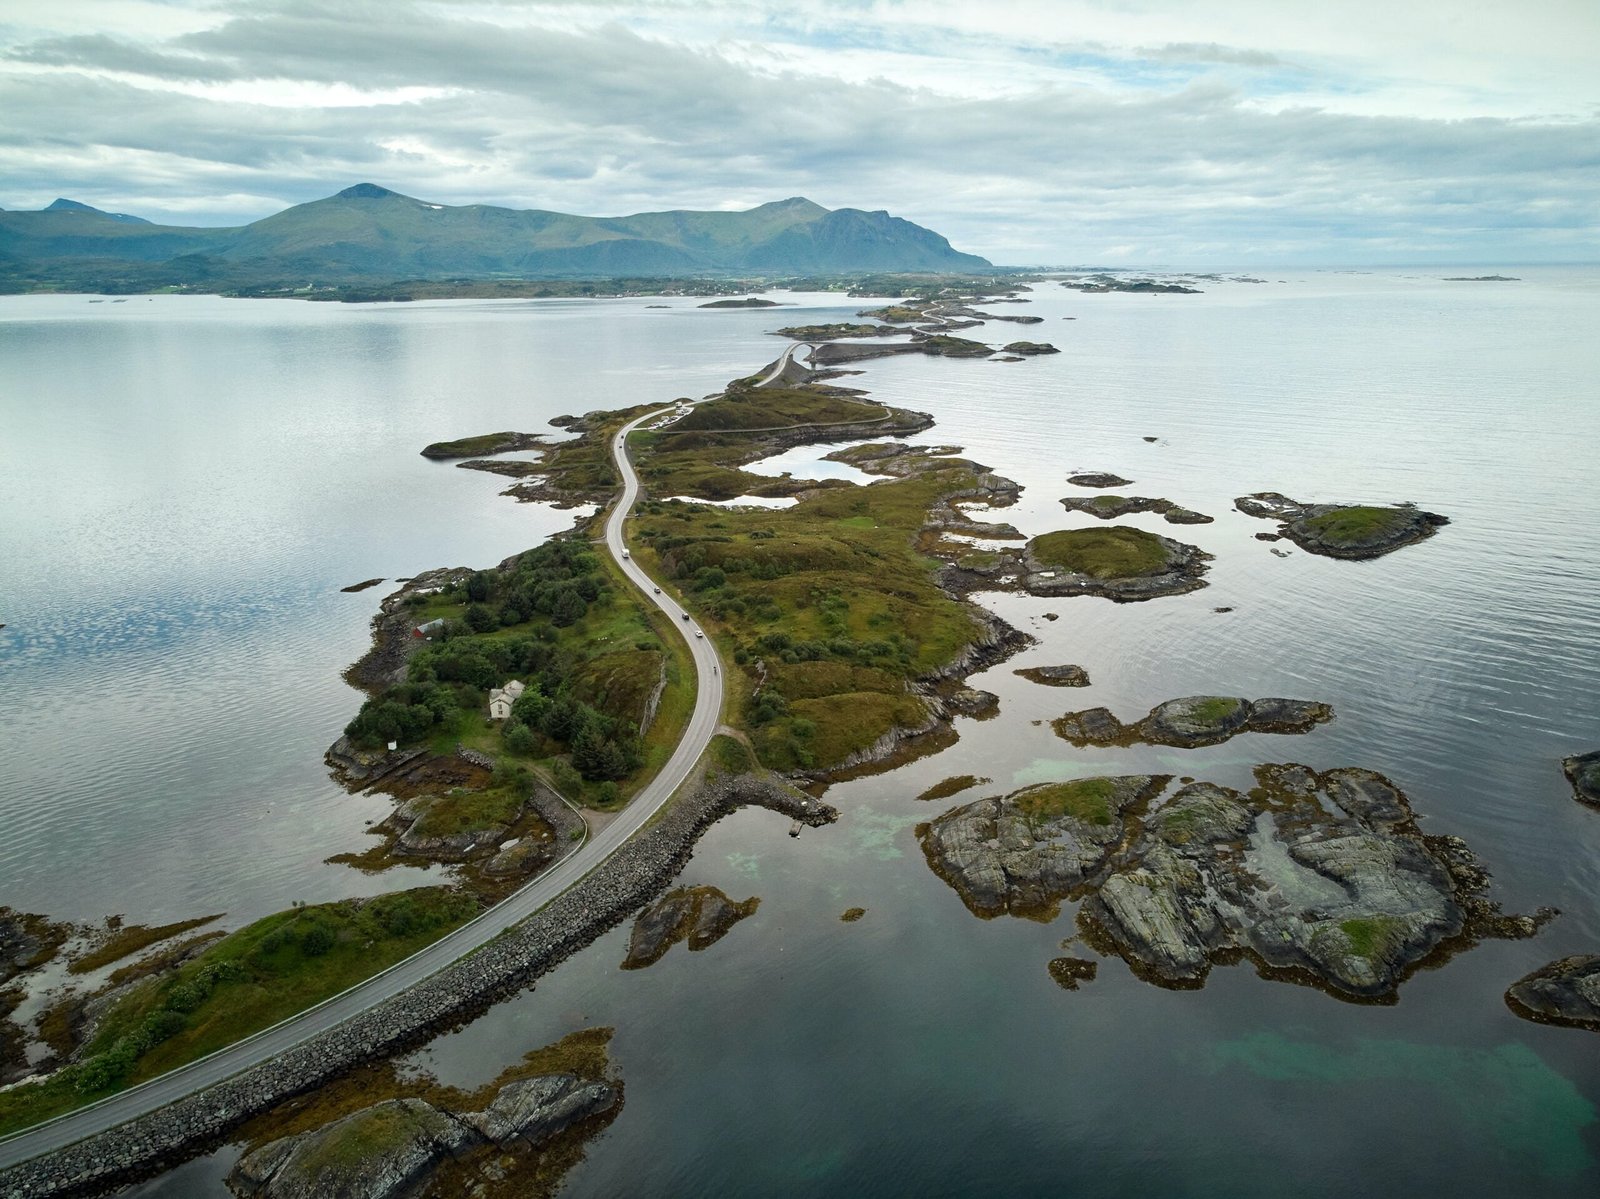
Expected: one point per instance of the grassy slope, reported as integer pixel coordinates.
(839, 571)
(1119, 552)
(278, 978)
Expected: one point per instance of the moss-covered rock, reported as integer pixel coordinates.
(1350, 531)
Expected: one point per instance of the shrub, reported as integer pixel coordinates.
(316, 941)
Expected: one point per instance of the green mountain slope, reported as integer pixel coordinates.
(370, 232)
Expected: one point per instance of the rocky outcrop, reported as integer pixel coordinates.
(1055, 676)
(1583, 772)
(487, 443)
(391, 1150)
(599, 901)
(532, 1110)
(28, 941)
(1023, 853)
(1194, 720)
(1070, 972)
(1565, 992)
(1097, 478)
(700, 916)
(1182, 569)
(1027, 347)
(1321, 879)
(1108, 507)
(1317, 877)
(392, 631)
(380, 1152)
(1350, 531)
(969, 701)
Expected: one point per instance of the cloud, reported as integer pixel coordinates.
(1211, 52)
(629, 108)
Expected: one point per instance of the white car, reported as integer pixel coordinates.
(698, 633)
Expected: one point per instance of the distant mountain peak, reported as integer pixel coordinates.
(368, 191)
(62, 204)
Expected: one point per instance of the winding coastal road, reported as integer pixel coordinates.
(269, 1043)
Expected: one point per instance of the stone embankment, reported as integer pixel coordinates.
(633, 876)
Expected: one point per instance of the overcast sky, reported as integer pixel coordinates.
(1029, 131)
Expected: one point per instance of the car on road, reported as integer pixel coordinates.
(698, 633)
(624, 553)
(686, 616)
(658, 591)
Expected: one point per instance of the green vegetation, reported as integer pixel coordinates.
(729, 756)
(947, 346)
(484, 443)
(1119, 552)
(1368, 935)
(952, 786)
(828, 606)
(1214, 709)
(590, 661)
(1088, 800)
(901, 313)
(462, 810)
(1355, 525)
(835, 332)
(744, 407)
(131, 939)
(248, 981)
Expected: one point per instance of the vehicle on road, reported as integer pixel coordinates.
(624, 553)
(658, 591)
(685, 616)
(698, 633)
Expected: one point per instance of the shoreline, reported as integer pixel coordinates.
(637, 872)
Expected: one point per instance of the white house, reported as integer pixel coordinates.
(501, 699)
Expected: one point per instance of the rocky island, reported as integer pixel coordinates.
(1107, 507)
(1318, 878)
(1193, 721)
(1351, 531)
(482, 444)
(1097, 478)
(1565, 992)
(698, 916)
(1120, 563)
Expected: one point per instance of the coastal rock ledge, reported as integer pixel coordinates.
(1566, 992)
(633, 876)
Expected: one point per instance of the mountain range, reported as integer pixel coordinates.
(370, 232)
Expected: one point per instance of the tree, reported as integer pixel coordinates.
(569, 608)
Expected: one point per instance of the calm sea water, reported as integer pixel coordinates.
(170, 677)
